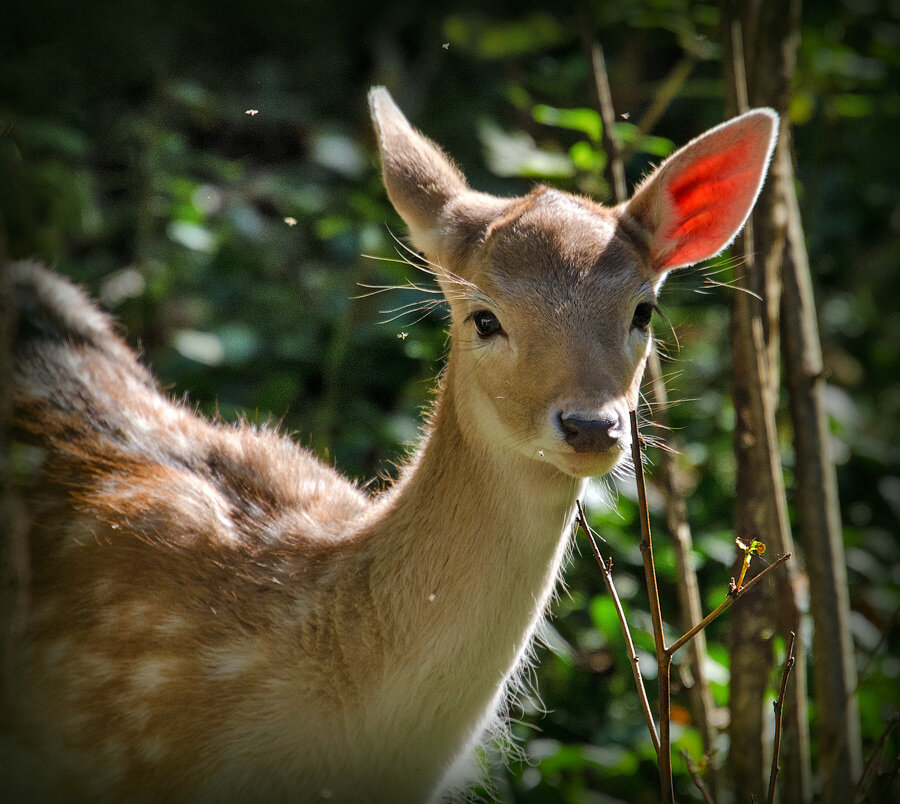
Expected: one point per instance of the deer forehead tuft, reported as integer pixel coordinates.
(557, 235)
(549, 212)
(575, 261)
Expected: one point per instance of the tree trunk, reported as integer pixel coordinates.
(819, 518)
(761, 75)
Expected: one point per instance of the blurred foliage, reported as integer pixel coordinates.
(208, 171)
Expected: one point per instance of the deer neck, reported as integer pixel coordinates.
(467, 549)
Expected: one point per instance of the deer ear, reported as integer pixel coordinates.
(443, 214)
(694, 203)
(419, 178)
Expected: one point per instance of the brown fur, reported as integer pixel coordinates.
(216, 615)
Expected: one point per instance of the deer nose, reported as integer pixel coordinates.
(586, 433)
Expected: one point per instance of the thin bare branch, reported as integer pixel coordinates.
(615, 167)
(695, 778)
(663, 657)
(606, 571)
(779, 708)
(661, 100)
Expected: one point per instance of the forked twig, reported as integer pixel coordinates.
(779, 707)
(606, 569)
(726, 604)
(664, 654)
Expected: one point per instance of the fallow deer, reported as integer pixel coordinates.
(216, 615)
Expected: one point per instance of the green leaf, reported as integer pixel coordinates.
(586, 121)
(630, 135)
(587, 158)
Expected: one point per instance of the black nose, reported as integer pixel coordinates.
(591, 434)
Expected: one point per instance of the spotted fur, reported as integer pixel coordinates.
(215, 615)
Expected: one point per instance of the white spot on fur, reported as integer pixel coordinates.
(73, 724)
(230, 661)
(91, 669)
(110, 619)
(137, 611)
(135, 614)
(302, 606)
(113, 764)
(172, 624)
(113, 751)
(151, 673)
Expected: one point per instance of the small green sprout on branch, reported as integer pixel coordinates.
(755, 548)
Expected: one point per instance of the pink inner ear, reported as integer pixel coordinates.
(710, 198)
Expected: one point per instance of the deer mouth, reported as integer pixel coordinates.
(586, 464)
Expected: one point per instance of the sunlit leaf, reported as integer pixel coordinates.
(586, 121)
(517, 154)
(586, 157)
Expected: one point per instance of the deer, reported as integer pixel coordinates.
(217, 615)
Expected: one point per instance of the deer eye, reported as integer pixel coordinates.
(486, 323)
(642, 315)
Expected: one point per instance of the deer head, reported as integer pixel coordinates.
(551, 294)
